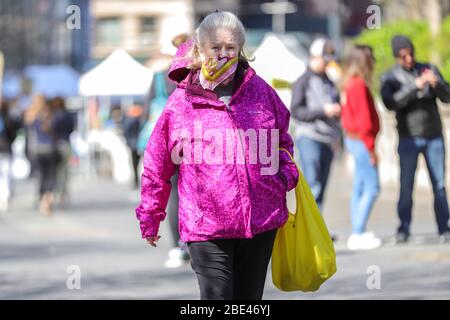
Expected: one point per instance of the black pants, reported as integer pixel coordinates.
(172, 211)
(47, 168)
(232, 269)
(135, 158)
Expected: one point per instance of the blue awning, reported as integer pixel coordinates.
(12, 85)
(53, 80)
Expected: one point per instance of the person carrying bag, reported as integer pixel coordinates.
(303, 255)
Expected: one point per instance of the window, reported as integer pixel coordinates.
(148, 30)
(108, 31)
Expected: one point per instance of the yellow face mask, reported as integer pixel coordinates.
(216, 70)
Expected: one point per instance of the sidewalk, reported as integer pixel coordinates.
(100, 234)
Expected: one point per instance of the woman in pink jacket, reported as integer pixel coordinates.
(222, 128)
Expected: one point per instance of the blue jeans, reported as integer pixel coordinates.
(433, 150)
(366, 186)
(315, 161)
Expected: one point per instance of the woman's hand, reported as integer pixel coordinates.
(152, 240)
(373, 158)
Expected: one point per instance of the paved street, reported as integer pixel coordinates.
(99, 234)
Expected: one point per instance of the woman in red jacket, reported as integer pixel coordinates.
(361, 126)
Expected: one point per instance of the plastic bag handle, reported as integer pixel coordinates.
(299, 173)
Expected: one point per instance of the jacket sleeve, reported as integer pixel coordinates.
(442, 89)
(358, 93)
(396, 95)
(156, 186)
(287, 168)
(299, 107)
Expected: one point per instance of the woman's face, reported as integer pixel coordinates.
(219, 44)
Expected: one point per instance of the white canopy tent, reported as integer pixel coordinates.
(280, 57)
(118, 75)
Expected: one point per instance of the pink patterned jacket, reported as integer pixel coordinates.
(223, 189)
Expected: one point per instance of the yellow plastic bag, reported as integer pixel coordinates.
(303, 254)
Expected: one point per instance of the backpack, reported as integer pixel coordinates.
(156, 108)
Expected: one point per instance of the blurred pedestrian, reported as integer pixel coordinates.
(361, 125)
(63, 124)
(114, 120)
(133, 121)
(315, 104)
(42, 144)
(160, 90)
(411, 90)
(178, 255)
(229, 211)
(38, 103)
(9, 126)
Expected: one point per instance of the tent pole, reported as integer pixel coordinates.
(85, 135)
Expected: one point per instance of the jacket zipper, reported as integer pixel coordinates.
(229, 112)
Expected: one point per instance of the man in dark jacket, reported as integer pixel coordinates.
(411, 90)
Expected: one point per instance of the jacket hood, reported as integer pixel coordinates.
(179, 69)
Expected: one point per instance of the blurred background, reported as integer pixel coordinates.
(98, 59)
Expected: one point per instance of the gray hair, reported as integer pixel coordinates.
(212, 22)
(217, 20)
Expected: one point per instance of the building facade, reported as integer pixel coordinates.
(36, 32)
(143, 28)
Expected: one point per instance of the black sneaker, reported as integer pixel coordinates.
(444, 236)
(401, 237)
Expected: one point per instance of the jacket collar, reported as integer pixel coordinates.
(196, 94)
